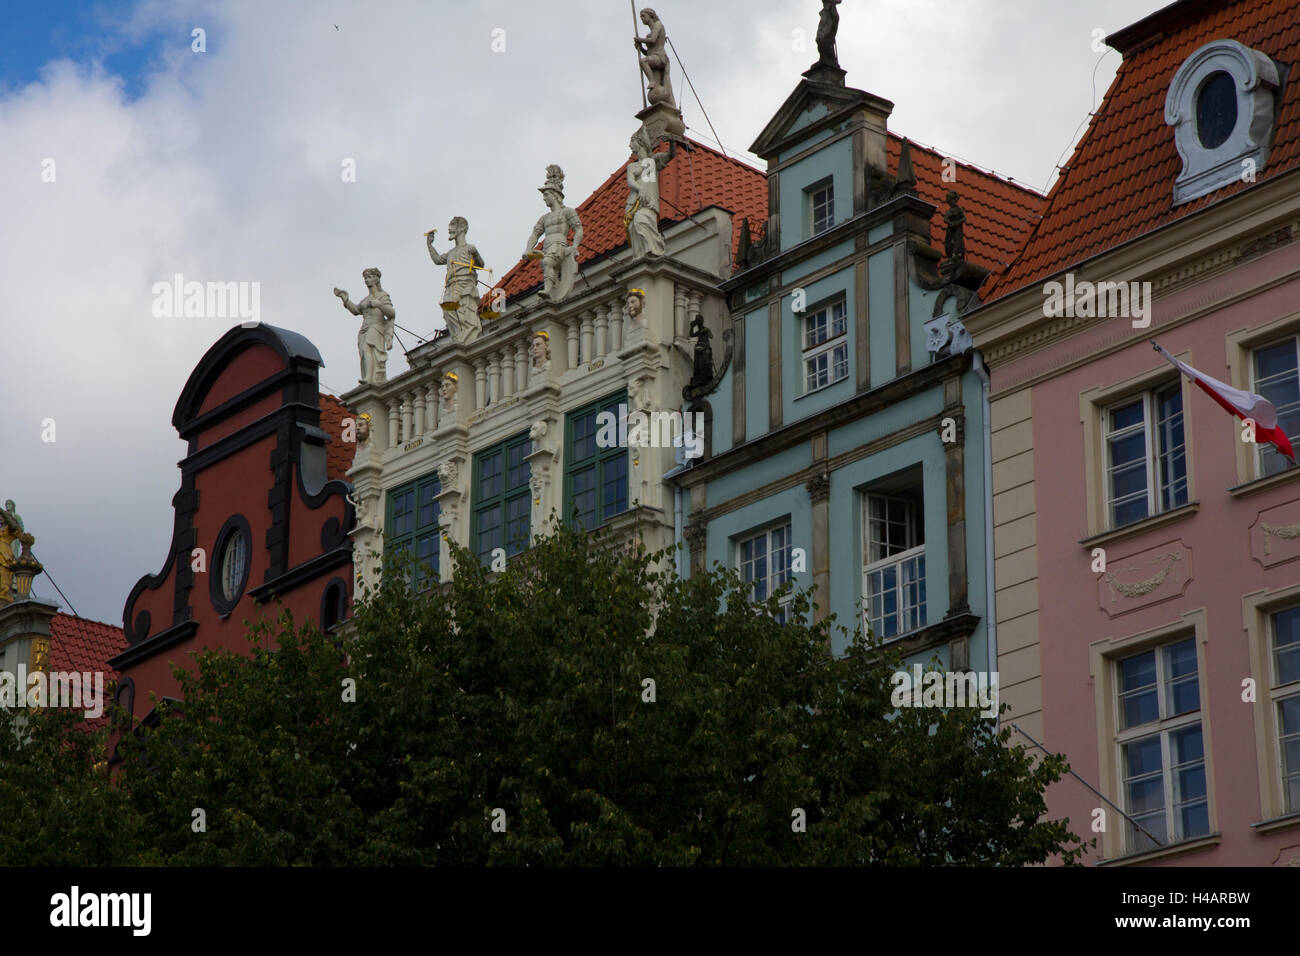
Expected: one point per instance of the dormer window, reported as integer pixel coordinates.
(821, 199)
(1221, 104)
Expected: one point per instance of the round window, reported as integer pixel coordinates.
(234, 565)
(232, 554)
(1216, 109)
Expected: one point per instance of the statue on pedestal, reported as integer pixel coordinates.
(702, 372)
(376, 335)
(641, 215)
(559, 258)
(954, 239)
(654, 60)
(827, 26)
(460, 293)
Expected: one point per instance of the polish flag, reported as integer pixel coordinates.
(1242, 404)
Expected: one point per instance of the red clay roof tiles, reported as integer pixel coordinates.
(77, 644)
(338, 455)
(1119, 183)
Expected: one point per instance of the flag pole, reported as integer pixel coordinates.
(644, 103)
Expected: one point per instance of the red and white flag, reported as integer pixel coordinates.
(1245, 405)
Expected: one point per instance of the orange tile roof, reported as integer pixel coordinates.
(338, 455)
(77, 644)
(1119, 184)
(1000, 213)
(691, 182)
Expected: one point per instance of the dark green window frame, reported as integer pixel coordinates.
(412, 524)
(595, 478)
(502, 499)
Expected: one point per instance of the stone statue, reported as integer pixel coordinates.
(363, 428)
(702, 373)
(447, 391)
(635, 304)
(376, 335)
(537, 431)
(641, 215)
(460, 294)
(541, 349)
(954, 240)
(448, 475)
(654, 60)
(559, 259)
(827, 26)
(10, 519)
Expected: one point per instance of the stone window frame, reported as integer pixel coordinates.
(1257, 609)
(828, 346)
(1104, 656)
(1093, 404)
(1153, 452)
(1258, 88)
(1239, 348)
(811, 192)
(786, 523)
(915, 485)
(599, 459)
(393, 541)
(508, 493)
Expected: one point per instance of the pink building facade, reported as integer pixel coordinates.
(1147, 553)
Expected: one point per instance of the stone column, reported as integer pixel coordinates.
(393, 437)
(681, 324)
(954, 460)
(616, 325)
(507, 371)
(431, 402)
(480, 385)
(692, 309)
(819, 493)
(573, 344)
(407, 409)
(602, 325)
(521, 366)
(587, 334)
(494, 378)
(419, 413)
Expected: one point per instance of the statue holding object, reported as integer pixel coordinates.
(460, 293)
(376, 335)
(559, 258)
(641, 215)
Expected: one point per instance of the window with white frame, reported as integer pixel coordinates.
(1146, 455)
(821, 204)
(1161, 753)
(825, 346)
(1274, 375)
(893, 573)
(1285, 647)
(764, 560)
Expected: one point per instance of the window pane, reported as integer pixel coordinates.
(1286, 645)
(519, 471)
(1126, 416)
(614, 492)
(1172, 448)
(428, 507)
(489, 532)
(584, 496)
(489, 485)
(1288, 720)
(1137, 682)
(838, 319)
(1193, 817)
(1276, 380)
(426, 551)
(1183, 694)
(840, 364)
(516, 524)
(584, 436)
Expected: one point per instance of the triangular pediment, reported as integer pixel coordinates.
(812, 107)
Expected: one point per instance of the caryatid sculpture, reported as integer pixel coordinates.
(654, 60)
(460, 294)
(559, 258)
(641, 215)
(376, 335)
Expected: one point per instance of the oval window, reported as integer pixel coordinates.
(234, 565)
(1216, 109)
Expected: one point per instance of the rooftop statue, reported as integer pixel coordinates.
(460, 293)
(827, 26)
(954, 240)
(641, 216)
(376, 335)
(559, 258)
(654, 59)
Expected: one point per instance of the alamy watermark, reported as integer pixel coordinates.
(946, 689)
(179, 299)
(1084, 299)
(68, 689)
(637, 429)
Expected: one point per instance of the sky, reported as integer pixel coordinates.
(132, 149)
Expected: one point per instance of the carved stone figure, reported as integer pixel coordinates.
(460, 293)
(448, 474)
(954, 240)
(537, 431)
(540, 349)
(654, 60)
(447, 391)
(641, 215)
(559, 258)
(703, 370)
(635, 304)
(827, 26)
(363, 428)
(376, 335)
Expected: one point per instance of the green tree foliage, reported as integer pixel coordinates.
(522, 699)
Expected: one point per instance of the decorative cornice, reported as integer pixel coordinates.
(819, 486)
